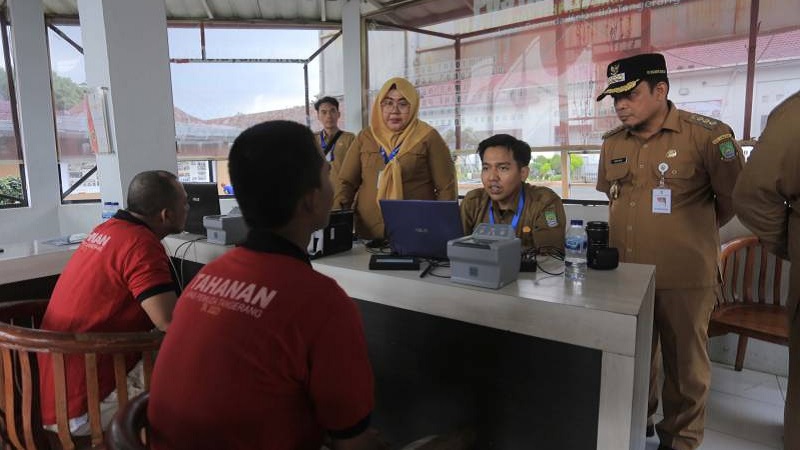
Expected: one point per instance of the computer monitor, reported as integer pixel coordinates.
(421, 227)
(203, 201)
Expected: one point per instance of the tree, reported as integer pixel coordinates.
(10, 187)
(3, 85)
(67, 93)
(575, 162)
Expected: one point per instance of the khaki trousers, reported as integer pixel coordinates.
(791, 418)
(680, 332)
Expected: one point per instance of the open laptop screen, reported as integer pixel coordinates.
(203, 201)
(421, 227)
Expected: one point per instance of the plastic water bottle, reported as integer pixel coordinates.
(575, 251)
(109, 209)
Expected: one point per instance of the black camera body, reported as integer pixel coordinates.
(598, 254)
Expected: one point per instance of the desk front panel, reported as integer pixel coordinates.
(435, 375)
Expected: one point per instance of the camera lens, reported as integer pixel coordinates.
(598, 234)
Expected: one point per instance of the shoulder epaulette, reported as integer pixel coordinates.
(699, 119)
(613, 132)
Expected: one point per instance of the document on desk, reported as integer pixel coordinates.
(71, 239)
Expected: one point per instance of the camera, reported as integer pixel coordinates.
(599, 255)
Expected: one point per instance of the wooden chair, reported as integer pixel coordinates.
(125, 431)
(20, 342)
(753, 296)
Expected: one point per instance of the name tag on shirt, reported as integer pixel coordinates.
(662, 201)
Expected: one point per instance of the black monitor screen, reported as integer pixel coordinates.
(203, 201)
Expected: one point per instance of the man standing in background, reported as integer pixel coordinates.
(765, 200)
(333, 141)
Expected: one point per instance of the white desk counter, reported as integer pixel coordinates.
(31, 260)
(611, 311)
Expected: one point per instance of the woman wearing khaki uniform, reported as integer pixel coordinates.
(397, 157)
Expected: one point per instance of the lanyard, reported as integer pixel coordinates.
(388, 159)
(517, 214)
(327, 148)
(324, 146)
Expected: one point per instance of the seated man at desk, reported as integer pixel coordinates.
(535, 212)
(265, 352)
(118, 280)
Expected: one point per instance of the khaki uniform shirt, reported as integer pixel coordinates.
(428, 174)
(339, 151)
(541, 224)
(702, 162)
(767, 194)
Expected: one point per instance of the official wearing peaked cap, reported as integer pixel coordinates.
(626, 73)
(662, 169)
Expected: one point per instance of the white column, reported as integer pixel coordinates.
(126, 50)
(354, 51)
(37, 127)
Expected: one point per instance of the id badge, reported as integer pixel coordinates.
(662, 201)
(380, 175)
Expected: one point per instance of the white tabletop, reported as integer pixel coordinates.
(600, 313)
(33, 259)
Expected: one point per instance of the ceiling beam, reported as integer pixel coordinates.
(208, 10)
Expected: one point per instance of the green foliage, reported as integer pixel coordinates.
(67, 92)
(549, 168)
(10, 187)
(575, 162)
(3, 85)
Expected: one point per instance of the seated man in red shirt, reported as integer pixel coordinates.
(118, 280)
(265, 352)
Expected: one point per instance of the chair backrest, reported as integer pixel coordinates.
(751, 274)
(125, 431)
(20, 341)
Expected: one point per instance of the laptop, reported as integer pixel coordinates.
(421, 227)
(203, 201)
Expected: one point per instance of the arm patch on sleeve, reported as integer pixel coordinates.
(727, 149)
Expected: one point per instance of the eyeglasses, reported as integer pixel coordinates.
(389, 104)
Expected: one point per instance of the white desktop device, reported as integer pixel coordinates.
(488, 258)
(226, 228)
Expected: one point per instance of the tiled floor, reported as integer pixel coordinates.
(744, 412)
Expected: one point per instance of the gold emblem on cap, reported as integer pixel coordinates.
(671, 153)
(613, 69)
(526, 229)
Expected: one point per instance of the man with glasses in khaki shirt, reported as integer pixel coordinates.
(669, 175)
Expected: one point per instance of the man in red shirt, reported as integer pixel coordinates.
(265, 352)
(118, 280)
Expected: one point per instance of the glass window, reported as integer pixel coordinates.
(534, 70)
(77, 163)
(215, 101)
(13, 189)
(777, 71)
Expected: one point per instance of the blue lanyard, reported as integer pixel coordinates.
(517, 214)
(388, 159)
(324, 146)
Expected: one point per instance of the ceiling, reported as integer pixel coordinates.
(414, 13)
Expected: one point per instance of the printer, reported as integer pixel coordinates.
(336, 237)
(488, 258)
(226, 228)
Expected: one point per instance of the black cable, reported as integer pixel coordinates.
(553, 252)
(379, 251)
(435, 264)
(185, 252)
